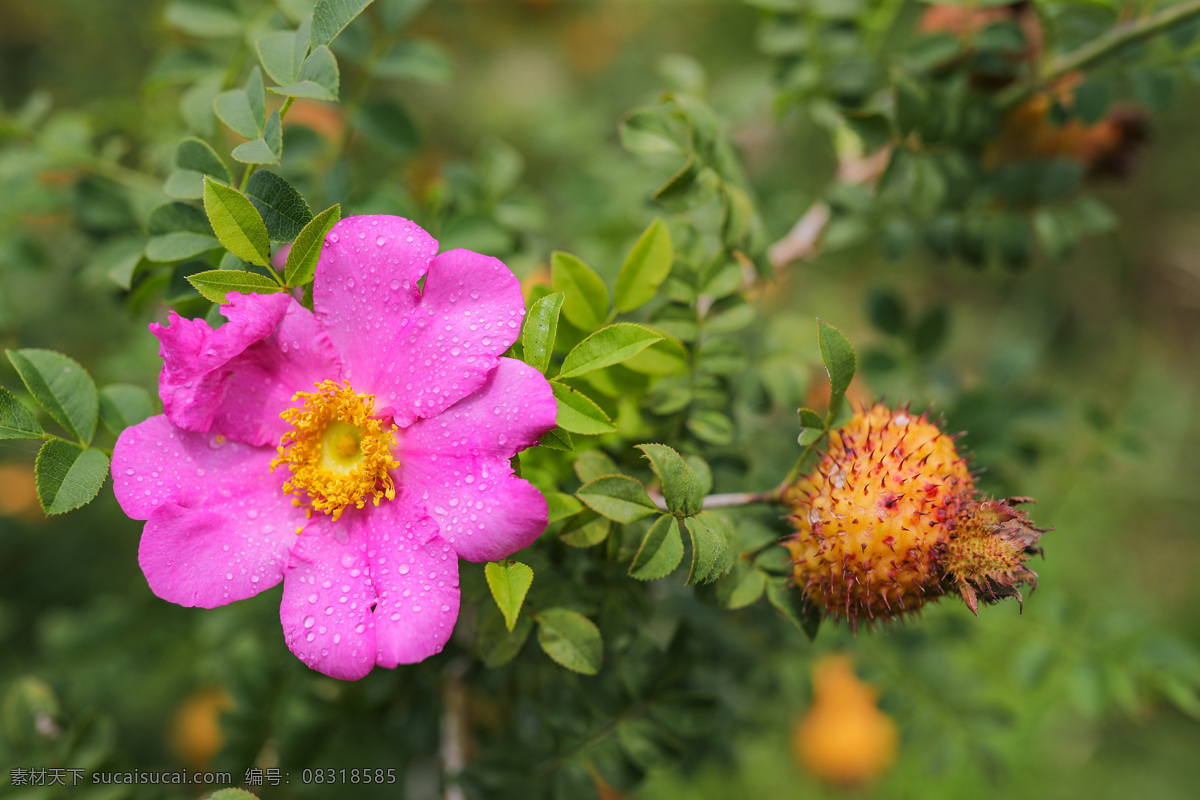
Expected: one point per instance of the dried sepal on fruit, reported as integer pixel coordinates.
(889, 519)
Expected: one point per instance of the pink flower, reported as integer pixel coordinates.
(354, 452)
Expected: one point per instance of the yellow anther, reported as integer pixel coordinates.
(337, 451)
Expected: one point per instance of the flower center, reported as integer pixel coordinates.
(336, 450)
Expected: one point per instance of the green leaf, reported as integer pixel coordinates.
(62, 387)
(910, 100)
(711, 426)
(540, 331)
(319, 78)
(585, 529)
(178, 217)
(237, 224)
(742, 586)
(617, 497)
(17, 421)
(607, 346)
(790, 602)
(692, 186)
(811, 419)
(571, 639)
(886, 311)
(557, 439)
(267, 149)
(178, 246)
(203, 19)
(509, 581)
(496, 645)
(592, 464)
(660, 552)
(680, 488)
(643, 132)
(283, 209)
(586, 303)
(118, 259)
(838, 355)
(123, 405)
(578, 414)
(68, 476)
(243, 110)
(194, 158)
(930, 331)
(665, 357)
(645, 268)
(214, 283)
(330, 17)
(560, 505)
(710, 547)
(420, 60)
(302, 259)
(282, 53)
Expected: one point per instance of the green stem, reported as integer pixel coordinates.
(804, 454)
(250, 170)
(1104, 47)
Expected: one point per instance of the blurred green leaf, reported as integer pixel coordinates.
(418, 59)
(282, 53)
(243, 110)
(62, 387)
(194, 158)
(16, 421)
(645, 268)
(330, 18)
(648, 745)
(790, 602)
(209, 19)
(886, 311)
(267, 149)
(496, 645)
(711, 426)
(68, 476)
(571, 639)
(319, 77)
(743, 585)
(123, 405)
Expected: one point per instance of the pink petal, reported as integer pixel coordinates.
(236, 379)
(327, 597)
(509, 413)
(417, 353)
(415, 573)
(365, 288)
(457, 464)
(218, 524)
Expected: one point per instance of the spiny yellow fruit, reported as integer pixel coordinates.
(844, 738)
(890, 519)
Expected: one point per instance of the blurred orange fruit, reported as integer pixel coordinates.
(18, 492)
(844, 738)
(196, 727)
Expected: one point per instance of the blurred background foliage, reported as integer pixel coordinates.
(970, 239)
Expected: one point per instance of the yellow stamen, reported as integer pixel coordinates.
(336, 450)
